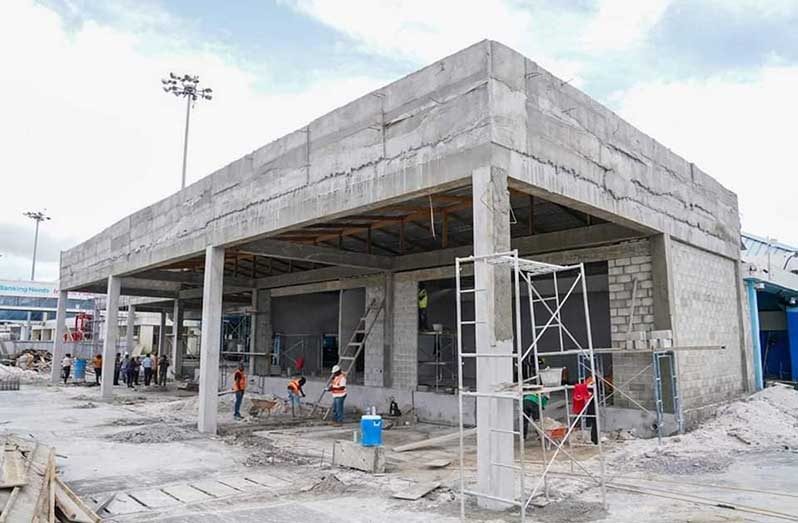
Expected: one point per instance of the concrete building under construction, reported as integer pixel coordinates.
(481, 152)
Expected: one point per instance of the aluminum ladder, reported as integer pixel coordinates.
(348, 357)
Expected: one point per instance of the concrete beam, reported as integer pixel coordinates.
(315, 254)
(210, 340)
(192, 278)
(312, 276)
(111, 335)
(193, 294)
(579, 238)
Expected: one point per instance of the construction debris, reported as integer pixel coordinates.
(434, 441)
(31, 489)
(354, 455)
(416, 491)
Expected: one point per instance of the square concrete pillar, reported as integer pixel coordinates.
(162, 334)
(111, 335)
(494, 334)
(263, 333)
(253, 332)
(177, 348)
(131, 327)
(211, 339)
(58, 341)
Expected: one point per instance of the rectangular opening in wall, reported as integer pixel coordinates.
(305, 334)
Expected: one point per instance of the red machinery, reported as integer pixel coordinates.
(82, 330)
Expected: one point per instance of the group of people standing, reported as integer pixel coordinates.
(129, 368)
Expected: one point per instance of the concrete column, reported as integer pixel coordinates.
(177, 349)
(263, 333)
(494, 334)
(162, 334)
(792, 335)
(111, 335)
(253, 332)
(753, 309)
(661, 274)
(211, 339)
(131, 327)
(58, 341)
(374, 357)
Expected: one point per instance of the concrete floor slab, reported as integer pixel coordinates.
(124, 504)
(153, 498)
(240, 483)
(214, 488)
(186, 493)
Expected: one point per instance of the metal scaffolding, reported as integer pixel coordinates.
(549, 337)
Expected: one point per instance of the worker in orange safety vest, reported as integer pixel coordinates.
(337, 389)
(239, 386)
(295, 394)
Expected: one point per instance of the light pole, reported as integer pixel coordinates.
(187, 86)
(38, 217)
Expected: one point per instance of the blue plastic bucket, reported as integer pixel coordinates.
(371, 431)
(79, 372)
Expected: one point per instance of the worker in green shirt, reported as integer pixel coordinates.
(534, 403)
(423, 301)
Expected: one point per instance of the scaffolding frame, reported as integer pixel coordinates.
(528, 270)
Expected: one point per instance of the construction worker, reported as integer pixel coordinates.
(295, 394)
(146, 364)
(66, 367)
(239, 386)
(423, 301)
(163, 366)
(117, 368)
(337, 389)
(534, 403)
(97, 363)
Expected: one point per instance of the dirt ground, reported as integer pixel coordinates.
(144, 449)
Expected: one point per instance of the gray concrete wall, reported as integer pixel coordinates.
(429, 407)
(485, 105)
(564, 145)
(427, 130)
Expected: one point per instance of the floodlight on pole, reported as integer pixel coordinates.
(38, 217)
(187, 86)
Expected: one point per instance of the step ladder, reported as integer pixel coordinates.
(348, 356)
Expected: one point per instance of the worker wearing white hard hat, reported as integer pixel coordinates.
(337, 389)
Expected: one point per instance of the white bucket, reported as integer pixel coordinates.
(551, 377)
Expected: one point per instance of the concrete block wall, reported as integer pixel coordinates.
(622, 272)
(404, 363)
(374, 357)
(706, 313)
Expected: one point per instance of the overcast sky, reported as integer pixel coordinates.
(87, 133)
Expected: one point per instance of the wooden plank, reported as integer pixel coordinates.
(13, 468)
(85, 511)
(434, 441)
(28, 503)
(417, 491)
(438, 463)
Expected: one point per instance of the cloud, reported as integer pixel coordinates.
(739, 130)
(621, 24)
(89, 134)
(424, 31)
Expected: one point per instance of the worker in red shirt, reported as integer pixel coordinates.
(239, 386)
(583, 402)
